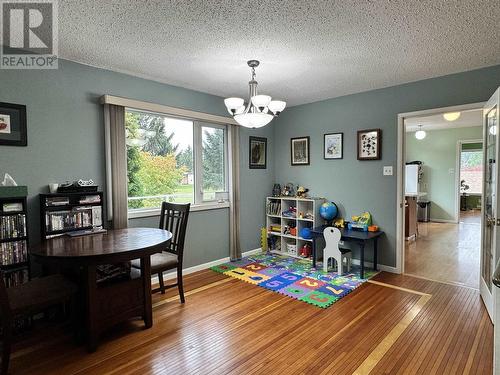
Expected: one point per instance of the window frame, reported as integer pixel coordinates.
(199, 204)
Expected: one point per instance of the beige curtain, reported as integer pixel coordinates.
(116, 165)
(234, 211)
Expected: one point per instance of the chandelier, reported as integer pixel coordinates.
(256, 113)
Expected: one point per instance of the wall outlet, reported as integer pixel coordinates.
(388, 170)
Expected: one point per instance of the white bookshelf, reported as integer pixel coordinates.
(303, 206)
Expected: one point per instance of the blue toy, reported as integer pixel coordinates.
(305, 233)
(328, 211)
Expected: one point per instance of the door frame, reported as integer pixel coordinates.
(400, 170)
(457, 173)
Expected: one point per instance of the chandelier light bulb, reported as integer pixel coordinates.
(420, 134)
(451, 116)
(261, 101)
(232, 104)
(276, 106)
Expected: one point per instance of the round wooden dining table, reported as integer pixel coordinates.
(107, 303)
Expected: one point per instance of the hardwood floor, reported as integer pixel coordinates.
(447, 252)
(395, 325)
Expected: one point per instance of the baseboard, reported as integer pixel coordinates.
(381, 267)
(201, 267)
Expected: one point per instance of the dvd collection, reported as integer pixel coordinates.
(12, 226)
(60, 220)
(13, 252)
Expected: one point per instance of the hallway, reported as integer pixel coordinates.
(447, 252)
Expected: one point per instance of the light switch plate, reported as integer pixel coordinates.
(388, 170)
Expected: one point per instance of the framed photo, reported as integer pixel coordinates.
(13, 125)
(299, 151)
(333, 147)
(257, 154)
(369, 144)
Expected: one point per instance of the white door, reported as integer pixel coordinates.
(490, 222)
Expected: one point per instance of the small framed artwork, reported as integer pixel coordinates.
(370, 144)
(13, 125)
(299, 151)
(333, 146)
(257, 158)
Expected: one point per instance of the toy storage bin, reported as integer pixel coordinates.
(291, 248)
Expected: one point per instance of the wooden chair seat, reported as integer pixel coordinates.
(38, 294)
(159, 262)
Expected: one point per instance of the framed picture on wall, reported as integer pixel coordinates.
(333, 147)
(257, 154)
(299, 151)
(370, 144)
(13, 125)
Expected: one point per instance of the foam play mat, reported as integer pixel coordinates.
(294, 278)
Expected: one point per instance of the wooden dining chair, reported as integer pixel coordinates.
(174, 218)
(26, 300)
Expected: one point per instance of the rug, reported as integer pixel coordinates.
(295, 278)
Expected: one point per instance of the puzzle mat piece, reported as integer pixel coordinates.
(254, 267)
(246, 275)
(294, 291)
(319, 299)
(309, 283)
(270, 271)
(280, 281)
(221, 268)
(335, 291)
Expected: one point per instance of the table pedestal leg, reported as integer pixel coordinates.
(146, 283)
(362, 255)
(91, 318)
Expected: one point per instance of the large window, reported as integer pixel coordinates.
(173, 160)
(471, 171)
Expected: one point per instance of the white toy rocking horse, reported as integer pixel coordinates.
(332, 238)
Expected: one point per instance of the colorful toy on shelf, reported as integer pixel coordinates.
(361, 222)
(273, 243)
(373, 228)
(339, 223)
(293, 231)
(290, 212)
(276, 190)
(305, 251)
(302, 192)
(288, 190)
(328, 211)
(305, 233)
(275, 228)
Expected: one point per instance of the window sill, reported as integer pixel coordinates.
(134, 214)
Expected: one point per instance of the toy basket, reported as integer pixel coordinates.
(291, 248)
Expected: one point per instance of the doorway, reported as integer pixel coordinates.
(444, 203)
(443, 158)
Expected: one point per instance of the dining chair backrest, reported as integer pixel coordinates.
(174, 218)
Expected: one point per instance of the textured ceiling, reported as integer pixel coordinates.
(309, 50)
(467, 119)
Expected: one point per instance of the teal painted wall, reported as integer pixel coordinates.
(66, 142)
(438, 151)
(359, 185)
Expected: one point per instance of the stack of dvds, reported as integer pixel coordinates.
(12, 226)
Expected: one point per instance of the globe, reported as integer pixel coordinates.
(328, 211)
(305, 233)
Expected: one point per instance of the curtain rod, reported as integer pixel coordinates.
(165, 109)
